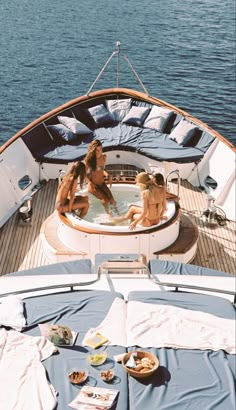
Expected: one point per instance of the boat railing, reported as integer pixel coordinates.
(134, 268)
(61, 175)
(178, 286)
(63, 286)
(171, 173)
(123, 173)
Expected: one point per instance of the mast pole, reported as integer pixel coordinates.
(118, 44)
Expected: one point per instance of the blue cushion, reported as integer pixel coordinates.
(183, 132)
(118, 108)
(136, 116)
(101, 116)
(74, 125)
(62, 134)
(158, 118)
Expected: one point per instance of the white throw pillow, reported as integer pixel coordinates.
(136, 116)
(157, 118)
(12, 312)
(101, 116)
(183, 132)
(118, 108)
(74, 125)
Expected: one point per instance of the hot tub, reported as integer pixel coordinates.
(97, 234)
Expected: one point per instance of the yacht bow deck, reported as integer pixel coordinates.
(20, 243)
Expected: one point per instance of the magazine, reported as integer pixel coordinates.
(94, 398)
(57, 334)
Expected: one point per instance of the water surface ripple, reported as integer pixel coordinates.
(51, 52)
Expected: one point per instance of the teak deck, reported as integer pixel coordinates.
(20, 243)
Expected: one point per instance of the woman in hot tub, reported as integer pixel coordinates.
(153, 204)
(95, 162)
(66, 199)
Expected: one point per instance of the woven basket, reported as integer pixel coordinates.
(140, 354)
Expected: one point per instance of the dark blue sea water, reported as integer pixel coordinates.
(183, 50)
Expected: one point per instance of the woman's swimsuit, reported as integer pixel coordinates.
(98, 168)
(157, 206)
(100, 188)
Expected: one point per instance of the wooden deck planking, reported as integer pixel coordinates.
(20, 243)
(43, 206)
(216, 246)
(5, 237)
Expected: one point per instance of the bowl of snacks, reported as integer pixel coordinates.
(140, 364)
(97, 359)
(76, 376)
(107, 375)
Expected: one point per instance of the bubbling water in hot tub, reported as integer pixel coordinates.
(124, 198)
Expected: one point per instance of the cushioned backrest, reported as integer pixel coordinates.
(204, 141)
(137, 103)
(61, 134)
(158, 118)
(184, 132)
(118, 108)
(173, 122)
(169, 125)
(101, 116)
(84, 116)
(136, 116)
(38, 139)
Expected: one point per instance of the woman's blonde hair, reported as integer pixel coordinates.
(143, 180)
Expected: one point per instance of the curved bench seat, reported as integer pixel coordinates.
(148, 142)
